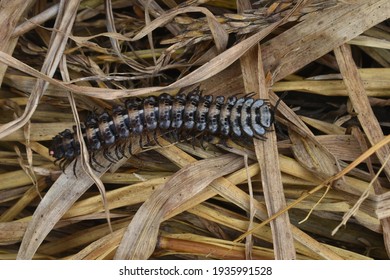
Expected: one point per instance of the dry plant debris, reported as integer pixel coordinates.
(325, 164)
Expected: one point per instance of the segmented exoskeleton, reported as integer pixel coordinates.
(181, 115)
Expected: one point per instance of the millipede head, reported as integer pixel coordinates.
(61, 145)
(55, 149)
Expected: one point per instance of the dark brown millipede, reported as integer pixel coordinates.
(182, 115)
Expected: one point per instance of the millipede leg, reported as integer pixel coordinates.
(120, 151)
(108, 156)
(148, 142)
(250, 94)
(94, 162)
(130, 148)
(140, 143)
(247, 141)
(74, 167)
(201, 141)
(118, 156)
(155, 138)
(187, 137)
(91, 163)
(224, 143)
(193, 142)
(260, 137)
(61, 164)
(175, 135)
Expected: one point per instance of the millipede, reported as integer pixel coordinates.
(181, 115)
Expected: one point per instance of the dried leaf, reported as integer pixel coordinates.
(140, 237)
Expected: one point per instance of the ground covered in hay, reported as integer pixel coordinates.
(316, 188)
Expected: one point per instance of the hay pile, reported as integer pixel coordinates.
(325, 165)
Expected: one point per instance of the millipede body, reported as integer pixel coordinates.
(186, 115)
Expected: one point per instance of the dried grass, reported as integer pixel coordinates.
(319, 170)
